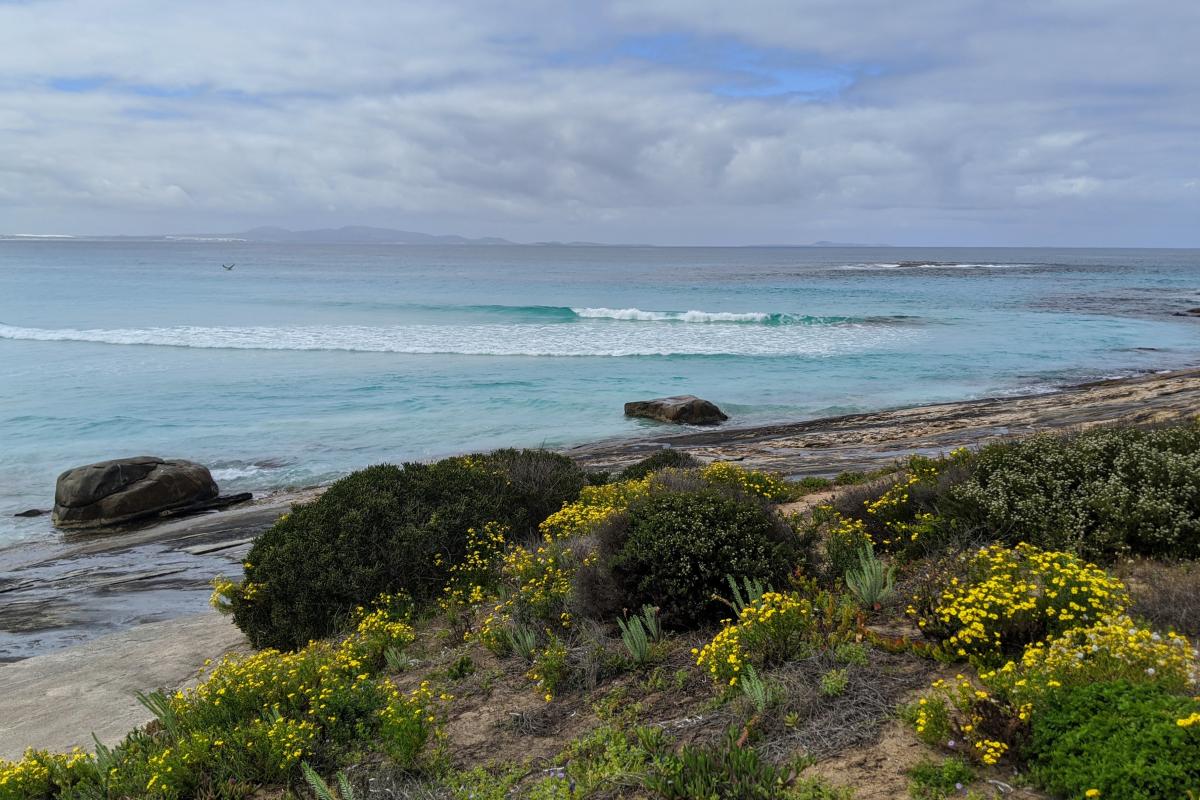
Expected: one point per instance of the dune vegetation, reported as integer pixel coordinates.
(507, 626)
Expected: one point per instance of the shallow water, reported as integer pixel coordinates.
(305, 362)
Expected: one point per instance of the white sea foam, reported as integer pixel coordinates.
(524, 339)
(638, 315)
(233, 473)
(915, 265)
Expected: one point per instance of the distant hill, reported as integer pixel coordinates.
(350, 234)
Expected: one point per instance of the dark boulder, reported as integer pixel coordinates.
(684, 408)
(128, 489)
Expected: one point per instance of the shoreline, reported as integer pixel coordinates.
(63, 595)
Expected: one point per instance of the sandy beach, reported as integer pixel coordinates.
(56, 598)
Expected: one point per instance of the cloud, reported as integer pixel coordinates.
(949, 121)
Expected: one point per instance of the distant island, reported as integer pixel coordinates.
(360, 234)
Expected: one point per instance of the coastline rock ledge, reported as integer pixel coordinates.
(684, 408)
(128, 489)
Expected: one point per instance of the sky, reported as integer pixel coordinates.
(717, 122)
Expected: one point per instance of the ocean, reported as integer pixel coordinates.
(305, 362)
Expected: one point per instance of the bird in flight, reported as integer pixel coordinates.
(228, 267)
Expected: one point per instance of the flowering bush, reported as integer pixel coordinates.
(845, 539)
(1112, 649)
(253, 719)
(382, 529)
(595, 504)
(673, 549)
(763, 484)
(775, 628)
(1014, 596)
(476, 578)
(549, 670)
(961, 716)
(41, 774)
(1101, 493)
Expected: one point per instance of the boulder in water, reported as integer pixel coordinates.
(683, 408)
(128, 489)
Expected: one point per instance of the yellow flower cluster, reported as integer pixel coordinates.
(594, 505)
(473, 580)
(1014, 596)
(774, 628)
(30, 777)
(1189, 721)
(224, 590)
(267, 711)
(847, 537)
(539, 582)
(1115, 648)
(764, 484)
(934, 722)
(549, 668)
(896, 497)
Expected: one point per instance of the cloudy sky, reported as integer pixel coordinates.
(1071, 122)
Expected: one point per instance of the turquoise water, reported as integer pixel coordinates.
(305, 362)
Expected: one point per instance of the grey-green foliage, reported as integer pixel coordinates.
(749, 593)
(522, 640)
(160, 706)
(639, 631)
(324, 791)
(755, 688)
(1101, 493)
(871, 582)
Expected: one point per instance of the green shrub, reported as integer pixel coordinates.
(726, 771)
(542, 481)
(674, 549)
(1121, 739)
(1102, 493)
(677, 459)
(931, 780)
(380, 530)
(813, 483)
(834, 682)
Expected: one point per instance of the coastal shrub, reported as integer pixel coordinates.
(674, 550)
(382, 529)
(756, 482)
(593, 505)
(778, 627)
(1117, 739)
(252, 721)
(932, 780)
(845, 538)
(1011, 597)
(667, 457)
(1113, 649)
(542, 482)
(1102, 493)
